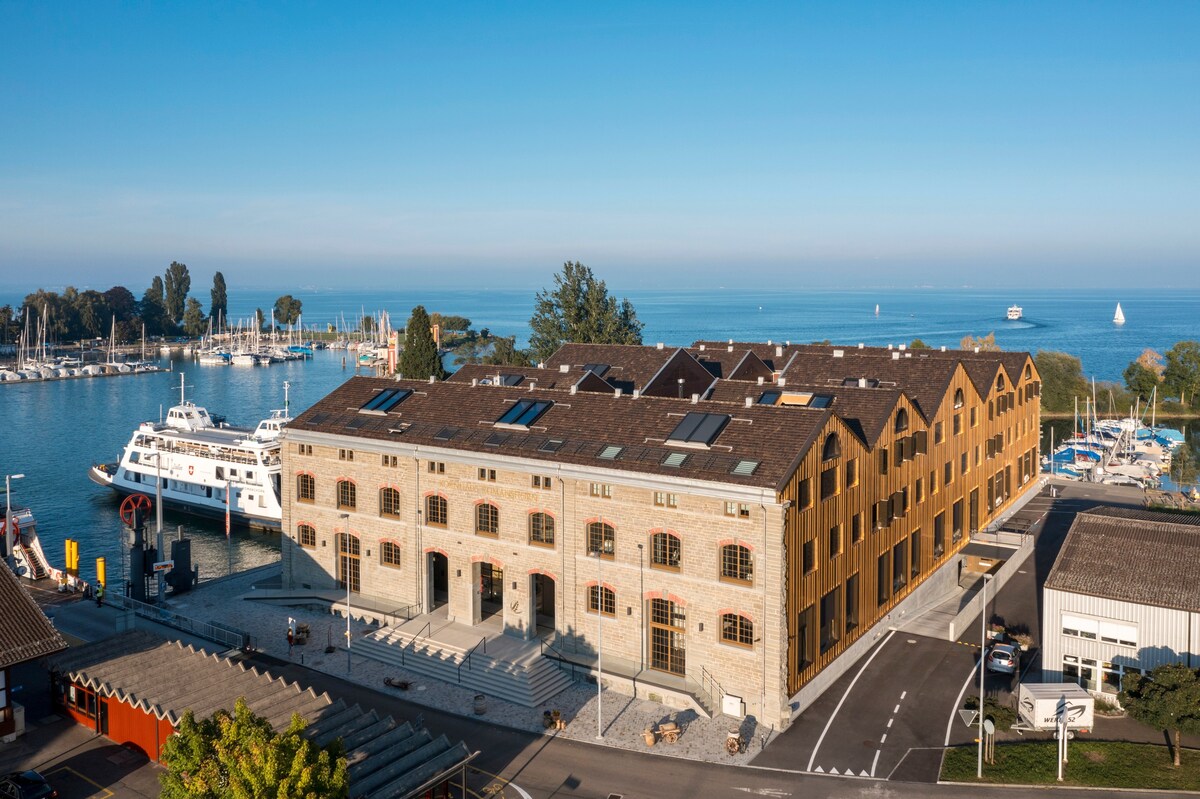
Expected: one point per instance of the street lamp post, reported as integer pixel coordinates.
(982, 671)
(345, 517)
(9, 538)
(600, 641)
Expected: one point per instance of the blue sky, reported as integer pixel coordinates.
(795, 144)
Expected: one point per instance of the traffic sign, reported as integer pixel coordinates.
(989, 727)
(969, 716)
(164, 565)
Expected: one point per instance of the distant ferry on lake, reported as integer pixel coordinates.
(1014, 312)
(201, 462)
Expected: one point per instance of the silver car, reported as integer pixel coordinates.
(1002, 658)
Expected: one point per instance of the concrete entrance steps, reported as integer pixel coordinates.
(482, 658)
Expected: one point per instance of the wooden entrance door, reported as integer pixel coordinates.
(348, 562)
(668, 644)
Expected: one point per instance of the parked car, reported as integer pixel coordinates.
(1002, 658)
(26, 785)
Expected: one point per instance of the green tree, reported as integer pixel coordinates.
(157, 291)
(194, 320)
(1062, 380)
(8, 324)
(92, 313)
(459, 324)
(505, 353)
(121, 303)
(1181, 377)
(1168, 699)
(239, 755)
(287, 310)
(178, 283)
(260, 319)
(219, 306)
(579, 309)
(917, 344)
(982, 343)
(367, 324)
(1140, 380)
(153, 313)
(420, 359)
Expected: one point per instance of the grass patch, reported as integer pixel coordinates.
(1093, 764)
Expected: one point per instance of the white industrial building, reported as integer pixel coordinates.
(1122, 597)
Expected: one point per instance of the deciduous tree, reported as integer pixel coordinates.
(1168, 698)
(982, 343)
(177, 284)
(505, 353)
(579, 309)
(194, 320)
(1181, 377)
(1140, 380)
(420, 359)
(917, 344)
(239, 755)
(287, 310)
(1062, 380)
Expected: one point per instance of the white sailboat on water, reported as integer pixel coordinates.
(1119, 316)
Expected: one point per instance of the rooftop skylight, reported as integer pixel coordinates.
(524, 412)
(699, 428)
(610, 452)
(385, 400)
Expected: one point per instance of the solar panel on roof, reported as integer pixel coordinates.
(699, 428)
(597, 368)
(769, 397)
(524, 412)
(610, 452)
(675, 459)
(318, 418)
(356, 423)
(511, 380)
(820, 401)
(446, 433)
(496, 439)
(551, 445)
(744, 468)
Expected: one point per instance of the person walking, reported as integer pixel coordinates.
(100, 595)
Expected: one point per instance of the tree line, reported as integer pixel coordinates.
(164, 309)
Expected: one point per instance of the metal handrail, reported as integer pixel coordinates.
(404, 612)
(227, 636)
(412, 641)
(467, 660)
(559, 656)
(713, 689)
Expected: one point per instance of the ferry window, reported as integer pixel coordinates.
(307, 535)
(347, 495)
(249, 475)
(436, 510)
(306, 488)
(220, 471)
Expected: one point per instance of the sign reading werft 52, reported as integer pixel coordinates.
(1043, 706)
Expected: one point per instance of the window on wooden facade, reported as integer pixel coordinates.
(835, 541)
(541, 529)
(899, 566)
(856, 528)
(901, 423)
(487, 519)
(851, 472)
(602, 600)
(883, 577)
(805, 651)
(974, 417)
(956, 529)
(851, 602)
(948, 473)
(736, 564)
(809, 557)
(831, 631)
(804, 494)
(958, 398)
(914, 552)
(389, 502)
(306, 488)
(832, 448)
(389, 553)
(601, 538)
(436, 510)
(939, 534)
(737, 629)
(957, 423)
(939, 433)
(347, 495)
(920, 490)
(664, 551)
(829, 483)
(307, 535)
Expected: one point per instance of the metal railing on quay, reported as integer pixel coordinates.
(210, 631)
(412, 641)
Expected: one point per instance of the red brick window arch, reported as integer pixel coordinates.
(389, 554)
(487, 519)
(737, 629)
(389, 502)
(541, 529)
(737, 564)
(602, 600)
(665, 551)
(347, 495)
(436, 510)
(306, 534)
(602, 538)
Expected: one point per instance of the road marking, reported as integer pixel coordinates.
(849, 688)
(958, 701)
(891, 720)
(507, 783)
(884, 738)
(107, 793)
(776, 792)
(875, 762)
(896, 709)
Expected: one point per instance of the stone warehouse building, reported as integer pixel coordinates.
(742, 519)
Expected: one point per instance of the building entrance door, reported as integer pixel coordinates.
(668, 644)
(491, 590)
(438, 575)
(543, 601)
(348, 562)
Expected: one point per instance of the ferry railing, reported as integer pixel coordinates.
(218, 633)
(412, 641)
(467, 660)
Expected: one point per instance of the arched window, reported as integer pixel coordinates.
(306, 488)
(901, 421)
(1000, 382)
(664, 551)
(736, 564)
(347, 494)
(1028, 371)
(436, 510)
(389, 553)
(389, 502)
(541, 529)
(737, 629)
(487, 519)
(601, 538)
(832, 448)
(306, 534)
(958, 398)
(602, 600)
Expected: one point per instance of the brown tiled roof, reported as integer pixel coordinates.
(865, 411)
(1141, 556)
(632, 364)
(547, 378)
(585, 423)
(25, 633)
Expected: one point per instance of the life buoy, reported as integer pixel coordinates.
(16, 528)
(191, 470)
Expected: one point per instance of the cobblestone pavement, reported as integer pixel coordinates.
(624, 718)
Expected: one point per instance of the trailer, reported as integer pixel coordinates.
(1042, 706)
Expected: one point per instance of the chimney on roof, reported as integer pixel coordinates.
(787, 343)
(729, 348)
(895, 355)
(838, 353)
(432, 379)
(637, 392)
(903, 347)
(532, 385)
(616, 392)
(749, 401)
(860, 345)
(474, 382)
(779, 352)
(908, 355)
(702, 348)
(730, 341)
(889, 348)
(564, 367)
(782, 381)
(573, 389)
(862, 382)
(976, 350)
(541, 364)
(943, 348)
(695, 398)
(769, 342)
(659, 345)
(760, 380)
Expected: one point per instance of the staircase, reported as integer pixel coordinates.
(517, 672)
(37, 569)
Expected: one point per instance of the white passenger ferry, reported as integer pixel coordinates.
(199, 461)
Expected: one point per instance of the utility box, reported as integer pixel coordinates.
(733, 706)
(1041, 706)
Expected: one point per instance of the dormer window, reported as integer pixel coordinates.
(901, 421)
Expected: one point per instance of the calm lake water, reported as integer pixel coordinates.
(53, 432)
